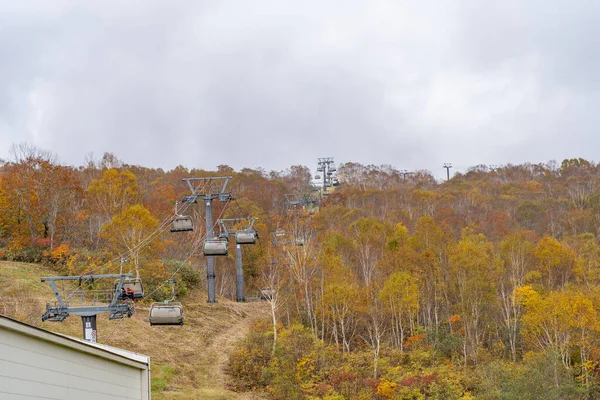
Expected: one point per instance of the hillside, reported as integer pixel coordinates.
(394, 285)
(187, 362)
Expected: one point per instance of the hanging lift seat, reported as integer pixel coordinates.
(215, 247)
(182, 223)
(134, 286)
(267, 293)
(246, 237)
(166, 313)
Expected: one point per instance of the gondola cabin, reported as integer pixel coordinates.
(167, 313)
(215, 247)
(246, 237)
(182, 223)
(133, 288)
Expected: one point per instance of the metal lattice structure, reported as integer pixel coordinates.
(78, 301)
(327, 169)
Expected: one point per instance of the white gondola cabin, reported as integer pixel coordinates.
(182, 223)
(215, 247)
(246, 237)
(166, 313)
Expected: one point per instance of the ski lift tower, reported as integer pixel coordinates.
(327, 168)
(246, 235)
(102, 301)
(292, 202)
(203, 190)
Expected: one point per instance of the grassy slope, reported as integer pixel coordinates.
(187, 362)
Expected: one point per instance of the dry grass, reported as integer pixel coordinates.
(188, 362)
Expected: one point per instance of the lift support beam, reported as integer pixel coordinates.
(61, 310)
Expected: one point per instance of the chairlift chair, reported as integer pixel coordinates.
(267, 293)
(215, 247)
(182, 223)
(246, 237)
(166, 313)
(133, 286)
(279, 232)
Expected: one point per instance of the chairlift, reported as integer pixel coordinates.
(168, 312)
(267, 293)
(332, 169)
(132, 288)
(279, 232)
(182, 223)
(246, 237)
(317, 177)
(215, 247)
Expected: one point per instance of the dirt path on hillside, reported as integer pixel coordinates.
(217, 353)
(225, 342)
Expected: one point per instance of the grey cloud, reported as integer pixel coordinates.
(272, 83)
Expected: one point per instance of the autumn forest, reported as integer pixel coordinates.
(390, 286)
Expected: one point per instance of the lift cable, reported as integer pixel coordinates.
(197, 245)
(162, 227)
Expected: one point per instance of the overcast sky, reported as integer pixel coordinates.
(277, 83)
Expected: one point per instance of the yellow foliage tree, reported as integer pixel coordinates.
(559, 322)
(114, 192)
(555, 262)
(400, 295)
(473, 269)
(128, 232)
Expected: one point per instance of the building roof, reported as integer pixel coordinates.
(96, 349)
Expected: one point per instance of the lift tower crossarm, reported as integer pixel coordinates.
(223, 196)
(230, 232)
(298, 199)
(58, 295)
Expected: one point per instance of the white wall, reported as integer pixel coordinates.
(34, 368)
